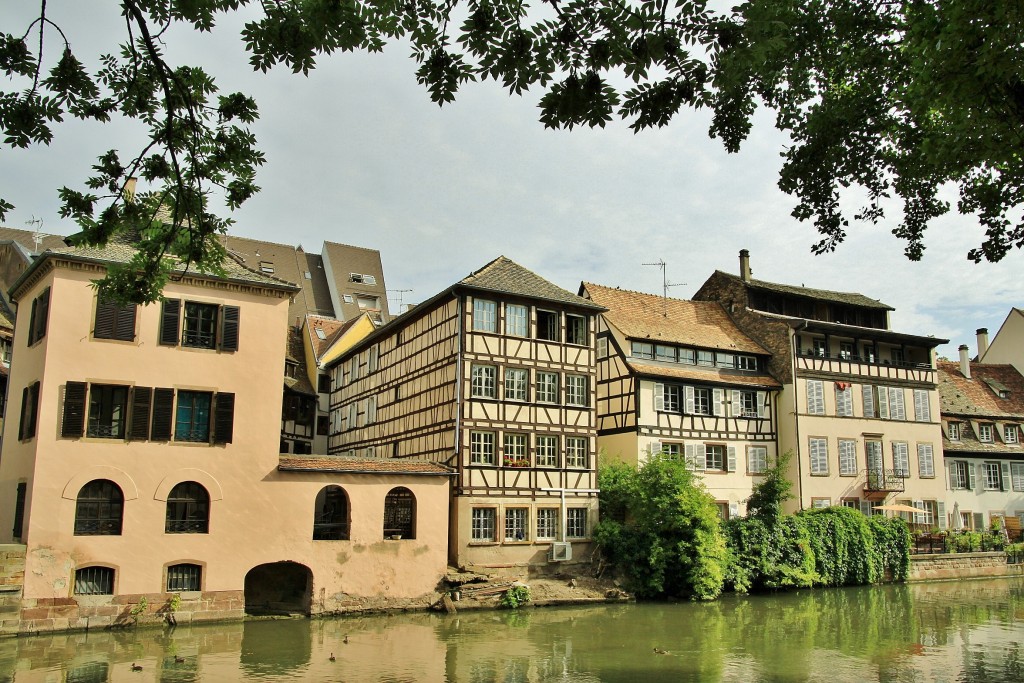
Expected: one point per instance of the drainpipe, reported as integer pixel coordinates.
(796, 416)
(453, 528)
(563, 520)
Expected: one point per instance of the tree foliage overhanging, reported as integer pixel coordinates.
(898, 99)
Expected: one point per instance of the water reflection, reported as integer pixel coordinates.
(966, 631)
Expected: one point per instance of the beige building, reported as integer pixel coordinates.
(982, 417)
(859, 406)
(141, 461)
(679, 377)
(1007, 347)
(494, 376)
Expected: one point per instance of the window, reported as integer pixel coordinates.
(922, 406)
(897, 356)
(868, 394)
(547, 387)
(601, 344)
(206, 326)
(701, 401)
(925, 461)
(1017, 476)
(747, 404)
(666, 354)
(960, 475)
(266, 267)
(516, 320)
(844, 399)
(94, 581)
(482, 382)
(672, 451)
(323, 384)
(667, 398)
(847, 457)
(547, 523)
(547, 326)
(192, 419)
(107, 411)
(815, 397)
(363, 279)
(516, 524)
(985, 433)
(714, 457)
(188, 509)
(367, 303)
(481, 448)
(485, 316)
(757, 459)
(482, 524)
(348, 299)
(576, 452)
(706, 358)
(642, 350)
(869, 353)
(184, 577)
(820, 348)
(993, 481)
(852, 503)
(19, 509)
(687, 356)
(99, 509)
(1010, 433)
(114, 321)
(746, 363)
(953, 430)
(399, 513)
(819, 456)
(818, 503)
(901, 459)
(873, 451)
(29, 411)
(576, 393)
(845, 350)
(200, 325)
(576, 523)
(576, 330)
(723, 510)
(547, 451)
(39, 316)
(515, 451)
(516, 384)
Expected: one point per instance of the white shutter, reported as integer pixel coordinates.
(868, 393)
(948, 467)
(1006, 476)
(918, 516)
(718, 401)
(922, 408)
(701, 461)
(731, 460)
(815, 397)
(737, 403)
(371, 410)
(897, 411)
(688, 392)
(762, 404)
(979, 521)
(659, 396)
(970, 476)
(1017, 476)
(691, 456)
(883, 402)
(655, 447)
(734, 510)
(865, 508)
(942, 523)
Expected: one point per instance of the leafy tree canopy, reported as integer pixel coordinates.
(899, 99)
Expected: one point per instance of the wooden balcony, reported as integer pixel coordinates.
(861, 367)
(886, 481)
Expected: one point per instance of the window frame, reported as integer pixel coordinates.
(546, 448)
(549, 325)
(481, 447)
(94, 574)
(644, 350)
(953, 430)
(515, 449)
(986, 432)
(577, 390)
(485, 315)
(112, 420)
(547, 523)
(718, 462)
(576, 523)
(988, 469)
(517, 384)
(517, 320)
(187, 514)
(199, 325)
(106, 514)
(576, 452)
(1011, 433)
(757, 464)
(547, 390)
(483, 382)
(400, 513)
(576, 333)
(195, 432)
(483, 520)
(517, 523)
(184, 577)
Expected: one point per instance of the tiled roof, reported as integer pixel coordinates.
(26, 238)
(703, 375)
(348, 465)
(975, 396)
(332, 330)
(508, 277)
(703, 324)
(848, 298)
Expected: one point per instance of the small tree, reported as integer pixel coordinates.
(766, 499)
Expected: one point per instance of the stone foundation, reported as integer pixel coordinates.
(12, 576)
(961, 566)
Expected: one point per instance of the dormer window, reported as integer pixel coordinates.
(321, 335)
(1010, 434)
(267, 267)
(953, 430)
(985, 433)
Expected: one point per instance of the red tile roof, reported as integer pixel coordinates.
(978, 395)
(349, 465)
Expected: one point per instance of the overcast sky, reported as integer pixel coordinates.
(357, 153)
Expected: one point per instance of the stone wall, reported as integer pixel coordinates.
(962, 566)
(12, 576)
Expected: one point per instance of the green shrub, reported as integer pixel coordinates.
(515, 597)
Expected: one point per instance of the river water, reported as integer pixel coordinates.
(952, 631)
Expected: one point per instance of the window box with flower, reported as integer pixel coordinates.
(516, 462)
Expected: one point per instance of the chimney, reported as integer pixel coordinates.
(982, 333)
(129, 189)
(965, 362)
(744, 265)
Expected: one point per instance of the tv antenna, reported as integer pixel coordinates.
(37, 231)
(401, 293)
(665, 284)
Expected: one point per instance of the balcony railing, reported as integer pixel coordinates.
(886, 480)
(857, 365)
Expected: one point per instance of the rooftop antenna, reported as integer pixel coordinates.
(37, 232)
(665, 284)
(401, 292)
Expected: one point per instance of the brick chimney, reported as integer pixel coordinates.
(982, 333)
(744, 265)
(965, 362)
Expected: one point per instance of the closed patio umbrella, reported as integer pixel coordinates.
(958, 522)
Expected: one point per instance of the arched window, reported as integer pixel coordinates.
(400, 513)
(94, 581)
(184, 577)
(100, 509)
(330, 520)
(188, 509)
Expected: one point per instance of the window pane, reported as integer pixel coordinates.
(485, 316)
(399, 514)
(94, 581)
(188, 509)
(515, 320)
(184, 577)
(192, 421)
(200, 325)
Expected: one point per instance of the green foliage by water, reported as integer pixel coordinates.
(515, 597)
(661, 529)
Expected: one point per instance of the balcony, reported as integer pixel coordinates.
(865, 367)
(887, 481)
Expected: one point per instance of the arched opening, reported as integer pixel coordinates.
(330, 516)
(188, 509)
(400, 513)
(279, 588)
(99, 509)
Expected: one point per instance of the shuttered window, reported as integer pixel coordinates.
(847, 457)
(819, 456)
(29, 411)
(163, 414)
(38, 318)
(925, 460)
(205, 326)
(815, 397)
(114, 321)
(922, 406)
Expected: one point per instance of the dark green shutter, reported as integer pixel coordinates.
(170, 322)
(138, 421)
(24, 410)
(223, 417)
(106, 314)
(19, 510)
(73, 423)
(114, 321)
(124, 329)
(41, 314)
(163, 414)
(229, 328)
(32, 323)
(33, 408)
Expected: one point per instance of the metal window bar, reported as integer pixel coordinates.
(94, 581)
(184, 577)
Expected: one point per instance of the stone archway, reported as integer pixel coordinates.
(279, 588)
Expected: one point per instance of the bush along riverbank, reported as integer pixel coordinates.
(661, 532)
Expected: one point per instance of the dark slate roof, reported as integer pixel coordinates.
(505, 276)
(348, 465)
(848, 298)
(26, 238)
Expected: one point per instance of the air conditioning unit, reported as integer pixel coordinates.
(560, 551)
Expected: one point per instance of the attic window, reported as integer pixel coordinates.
(307, 275)
(320, 333)
(266, 267)
(349, 299)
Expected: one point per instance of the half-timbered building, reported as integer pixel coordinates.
(679, 377)
(859, 406)
(495, 377)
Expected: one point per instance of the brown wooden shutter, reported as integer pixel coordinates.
(114, 321)
(24, 409)
(229, 328)
(73, 422)
(163, 414)
(32, 323)
(170, 322)
(138, 421)
(106, 314)
(41, 313)
(223, 417)
(19, 510)
(33, 402)
(124, 329)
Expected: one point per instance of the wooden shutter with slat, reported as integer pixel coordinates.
(124, 327)
(42, 313)
(223, 417)
(659, 396)
(170, 322)
(106, 317)
(229, 328)
(32, 323)
(72, 424)
(138, 421)
(1006, 476)
(163, 414)
(731, 459)
(718, 402)
(701, 453)
(24, 412)
(941, 514)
